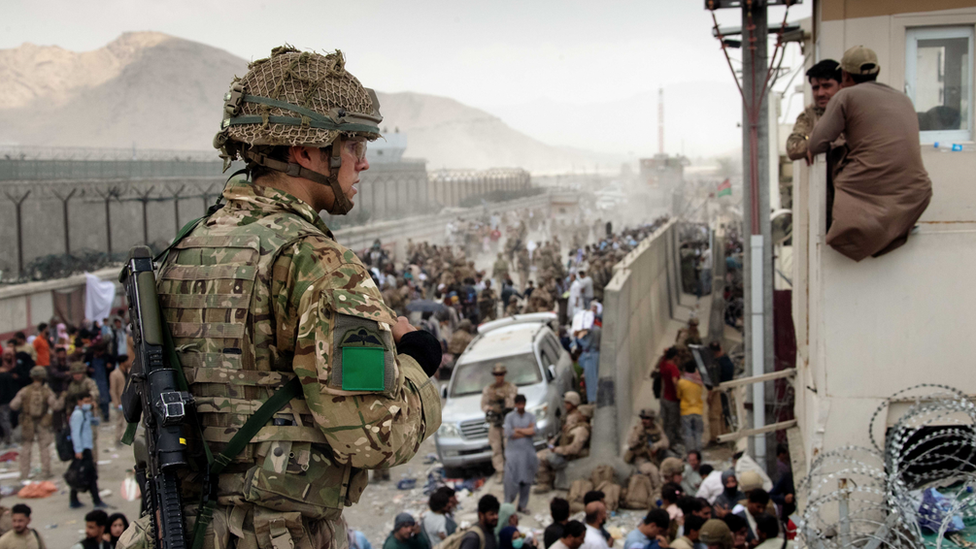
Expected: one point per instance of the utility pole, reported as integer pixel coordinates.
(755, 86)
(758, 263)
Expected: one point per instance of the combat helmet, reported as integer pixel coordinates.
(38, 372)
(297, 98)
(716, 532)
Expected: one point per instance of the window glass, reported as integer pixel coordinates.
(472, 378)
(938, 79)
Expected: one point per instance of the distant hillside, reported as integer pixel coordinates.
(154, 91)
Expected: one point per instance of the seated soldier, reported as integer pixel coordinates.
(647, 444)
(571, 444)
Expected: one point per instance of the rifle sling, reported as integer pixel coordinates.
(282, 396)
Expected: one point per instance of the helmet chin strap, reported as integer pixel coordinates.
(341, 205)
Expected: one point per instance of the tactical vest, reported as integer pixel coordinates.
(215, 293)
(565, 438)
(34, 405)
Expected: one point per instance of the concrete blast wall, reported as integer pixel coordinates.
(637, 309)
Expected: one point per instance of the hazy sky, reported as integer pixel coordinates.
(493, 55)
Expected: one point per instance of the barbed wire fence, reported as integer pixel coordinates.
(120, 193)
(913, 489)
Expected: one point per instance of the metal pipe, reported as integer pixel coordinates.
(758, 345)
(844, 512)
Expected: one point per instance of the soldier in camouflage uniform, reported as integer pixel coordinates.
(80, 383)
(260, 292)
(497, 400)
(647, 446)
(523, 268)
(37, 401)
(824, 78)
(570, 445)
(500, 269)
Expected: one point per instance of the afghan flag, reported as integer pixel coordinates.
(724, 189)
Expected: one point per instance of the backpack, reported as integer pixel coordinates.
(638, 495)
(611, 490)
(66, 449)
(601, 474)
(36, 402)
(577, 490)
(454, 540)
(658, 385)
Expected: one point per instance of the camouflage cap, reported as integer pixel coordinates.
(499, 369)
(716, 532)
(671, 466)
(860, 60)
(38, 372)
(572, 397)
(79, 368)
(648, 413)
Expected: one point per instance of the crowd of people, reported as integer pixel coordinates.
(102, 531)
(64, 383)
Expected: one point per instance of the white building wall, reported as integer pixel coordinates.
(866, 330)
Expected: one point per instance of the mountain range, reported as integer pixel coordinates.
(153, 91)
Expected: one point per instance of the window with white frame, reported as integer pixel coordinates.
(938, 80)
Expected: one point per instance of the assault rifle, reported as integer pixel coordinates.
(153, 394)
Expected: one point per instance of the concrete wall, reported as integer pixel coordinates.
(635, 318)
(881, 325)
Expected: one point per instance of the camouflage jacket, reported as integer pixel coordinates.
(314, 293)
(259, 293)
(500, 268)
(796, 143)
(78, 387)
(574, 436)
(497, 399)
(36, 401)
(459, 342)
(645, 442)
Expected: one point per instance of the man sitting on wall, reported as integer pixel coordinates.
(881, 188)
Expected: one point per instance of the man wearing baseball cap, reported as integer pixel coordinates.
(881, 187)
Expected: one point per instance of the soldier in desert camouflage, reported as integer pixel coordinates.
(260, 292)
(36, 402)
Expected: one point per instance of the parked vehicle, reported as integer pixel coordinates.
(536, 363)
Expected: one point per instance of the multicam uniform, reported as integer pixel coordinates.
(645, 447)
(572, 445)
(256, 295)
(260, 293)
(37, 402)
(497, 399)
(796, 143)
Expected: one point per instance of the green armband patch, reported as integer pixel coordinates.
(363, 357)
(364, 369)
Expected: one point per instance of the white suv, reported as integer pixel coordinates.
(536, 363)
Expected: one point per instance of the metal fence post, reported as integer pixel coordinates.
(107, 197)
(64, 216)
(18, 202)
(176, 206)
(144, 198)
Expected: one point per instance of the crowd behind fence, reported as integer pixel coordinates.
(84, 214)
